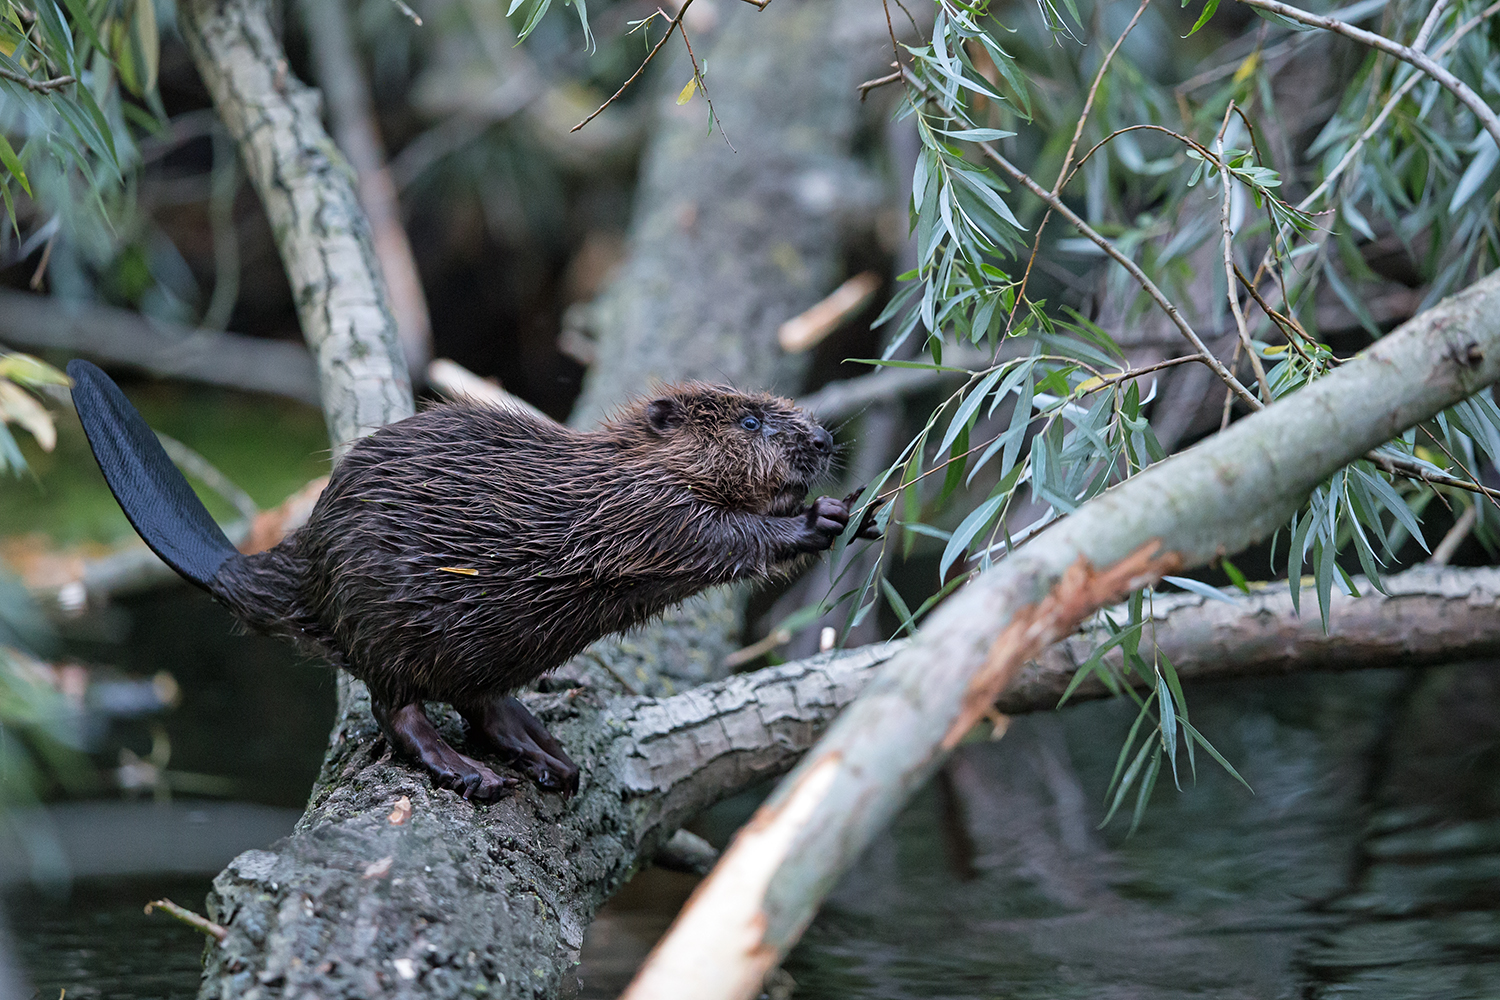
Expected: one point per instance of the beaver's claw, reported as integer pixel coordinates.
(867, 526)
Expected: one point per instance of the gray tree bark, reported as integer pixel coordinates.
(166, 350)
(388, 885)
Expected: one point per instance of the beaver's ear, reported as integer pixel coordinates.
(664, 415)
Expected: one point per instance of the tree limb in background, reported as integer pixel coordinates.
(310, 200)
(352, 113)
(166, 350)
(1213, 499)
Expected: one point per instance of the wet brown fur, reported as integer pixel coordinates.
(459, 554)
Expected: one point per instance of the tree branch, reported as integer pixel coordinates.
(39, 86)
(309, 197)
(1453, 84)
(1213, 499)
(166, 350)
(352, 114)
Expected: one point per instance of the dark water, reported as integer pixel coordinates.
(1366, 864)
(98, 942)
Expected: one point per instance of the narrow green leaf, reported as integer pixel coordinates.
(12, 163)
(1200, 588)
(898, 605)
(963, 417)
(1208, 11)
(1235, 576)
(1168, 730)
(1148, 785)
(1325, 555)
(1218, 757)
(979, 519)
(1128, 779)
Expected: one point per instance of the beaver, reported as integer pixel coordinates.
(457, 555)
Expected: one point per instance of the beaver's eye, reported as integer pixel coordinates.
(750, 423)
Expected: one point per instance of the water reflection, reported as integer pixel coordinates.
(1367, 863)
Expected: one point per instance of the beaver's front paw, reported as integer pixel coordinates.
(823, 521)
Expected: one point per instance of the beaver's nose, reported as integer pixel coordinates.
(822, 440)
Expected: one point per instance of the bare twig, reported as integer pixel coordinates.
(880, 81)
(1064, 172)
(456, 382)
(1405, 53)
(40, 274)
(1290, 328)
(201, 924)
(808, 328)
(1412, 470)
(1227, 183)
(1429, 25)
(1460, 530)
(39, 86)
(671, 26)
(201, 469)
(754, 651)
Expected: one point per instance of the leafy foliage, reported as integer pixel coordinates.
(19, 373)
(1077, 422)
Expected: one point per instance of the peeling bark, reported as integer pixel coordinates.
(1213, 499)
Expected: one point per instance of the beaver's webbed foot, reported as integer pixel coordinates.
(504, 725)
(413, 736)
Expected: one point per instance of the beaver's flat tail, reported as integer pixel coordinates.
(160, 504)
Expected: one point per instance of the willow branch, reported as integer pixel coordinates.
(38, 86)
(1405, 53)
(1063, 172)
(1134, 270)
(1213, 499)
(1230, 287)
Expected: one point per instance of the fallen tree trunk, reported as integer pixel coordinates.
(387, 883)
(1213, 499)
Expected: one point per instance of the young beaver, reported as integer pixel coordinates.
(460, 553)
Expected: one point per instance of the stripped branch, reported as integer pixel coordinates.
(1211, 500)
